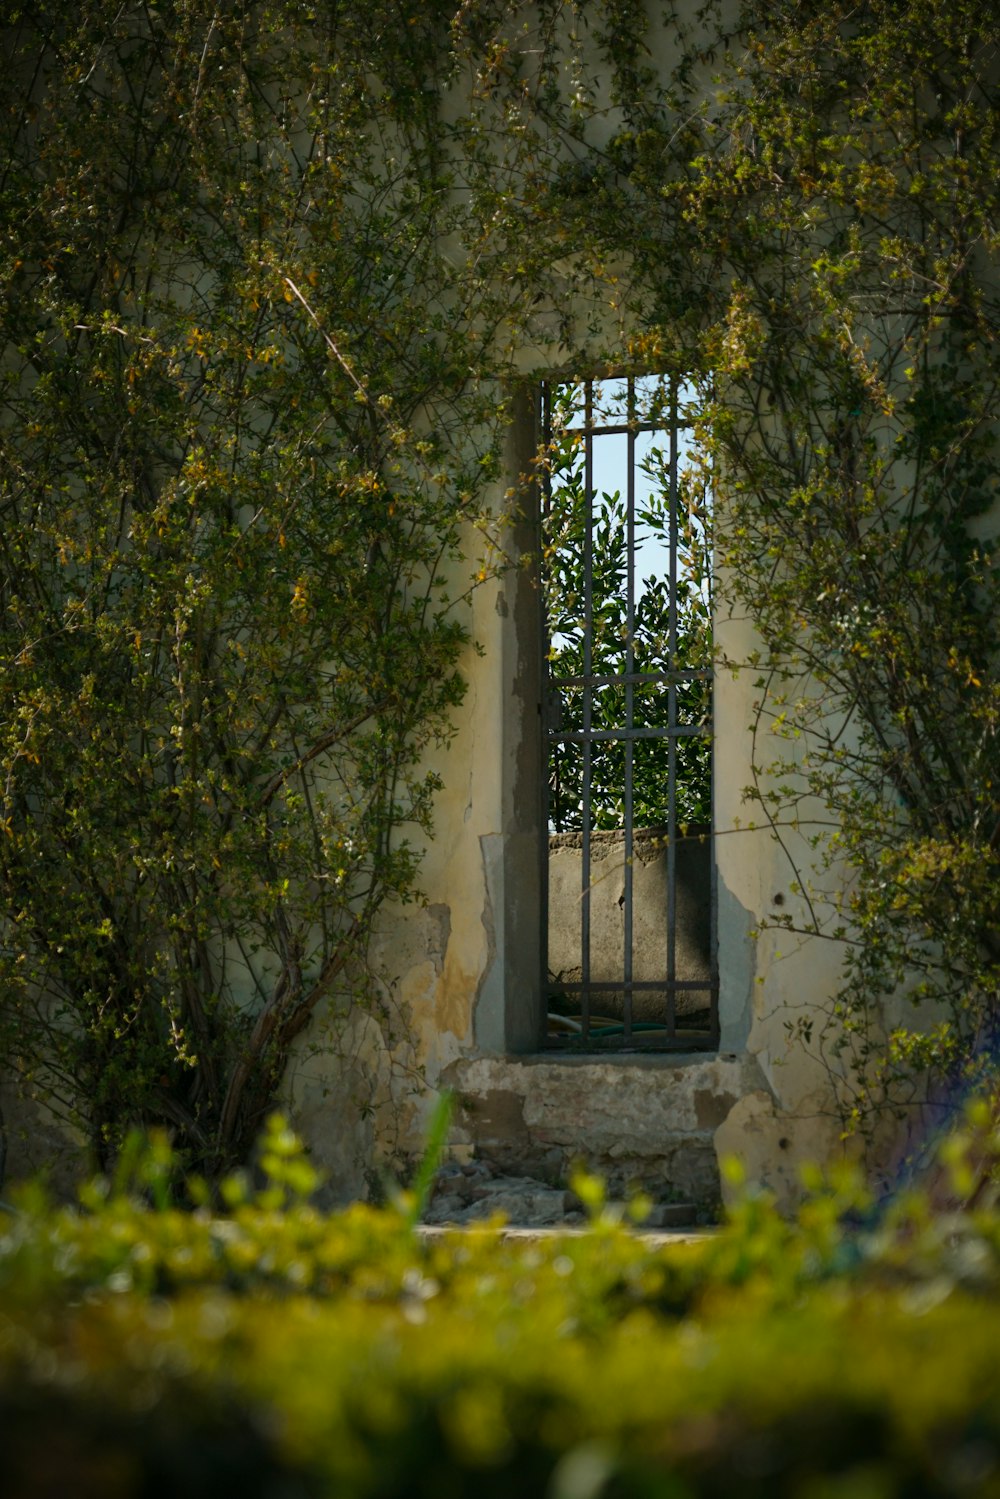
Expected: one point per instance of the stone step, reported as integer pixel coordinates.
(474, 1193)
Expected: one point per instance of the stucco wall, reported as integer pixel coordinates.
(692, 926)
(460, 983)
(460, 976)
(456, 977)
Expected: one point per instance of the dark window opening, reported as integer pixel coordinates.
(627, 589)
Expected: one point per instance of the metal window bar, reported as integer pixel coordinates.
(586, 1029)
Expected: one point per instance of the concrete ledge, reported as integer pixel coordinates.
(652, 1238)
(653, 1060)
(646, 1119)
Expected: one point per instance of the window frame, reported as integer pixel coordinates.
(630, 1035)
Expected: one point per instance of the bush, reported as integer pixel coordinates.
(151, 1348)
(240, 446)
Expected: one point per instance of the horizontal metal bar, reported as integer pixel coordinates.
(695, 1039)
(617, 431)
(686, 674)
(615, 986)
(587, 736)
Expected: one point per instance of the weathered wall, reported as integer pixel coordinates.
(645, 1119)
(33, 1139)
(692, 927)
(461, 975)
(771, 979)
(461, 983)
(457, 977)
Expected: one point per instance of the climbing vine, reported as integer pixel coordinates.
(861, 433)
(838, 201)
(801, 214)
(263, 272)
(245, 439)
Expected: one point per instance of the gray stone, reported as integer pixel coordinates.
(460, 1197)
(643, 1120)
(446, 1208)
(692, 929)
(671, 1215)
(529, 1207)
(502, 1184)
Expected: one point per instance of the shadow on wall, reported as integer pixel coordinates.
(693, 923)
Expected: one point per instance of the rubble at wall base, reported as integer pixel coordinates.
(645, 1121)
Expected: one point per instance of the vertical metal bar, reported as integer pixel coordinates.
(588, 632)
(629, 710)
(672, 729)
(547, 743)
(625, 726)
(713, 931)
(713, 935)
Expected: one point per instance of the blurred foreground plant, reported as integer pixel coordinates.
(849, 1352)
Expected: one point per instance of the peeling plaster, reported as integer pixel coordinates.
(649, 1119)
(772, 1144)
(486, 1002)
(437, 940)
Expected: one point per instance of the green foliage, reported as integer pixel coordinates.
(612, 635)
(849, 1352)
(799, 205)
(244, 439)
(818, 229)
(437, 1140)
(261, 270)
(854, 167)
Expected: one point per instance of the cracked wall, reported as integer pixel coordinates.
(460, 975)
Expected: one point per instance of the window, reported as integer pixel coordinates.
(626, 583)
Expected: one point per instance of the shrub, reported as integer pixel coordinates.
(142, 1347)
(240, 440)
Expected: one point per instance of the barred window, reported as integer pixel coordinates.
(626, 576)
